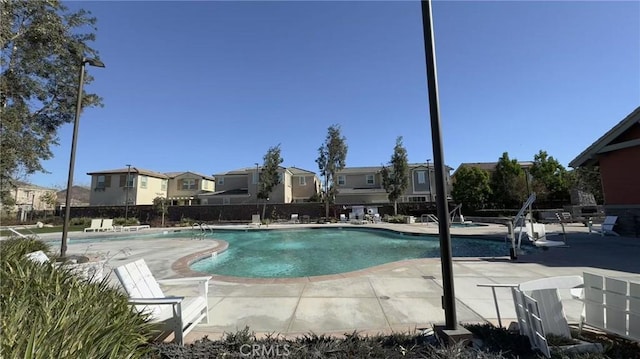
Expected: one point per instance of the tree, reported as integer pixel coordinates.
(507, 183)
(550, 178)
(42, 48)
(331, 159)
(587, 179)
(471, 188)
(50, 199)
(269, 177)
(395, 180)
(160, 207)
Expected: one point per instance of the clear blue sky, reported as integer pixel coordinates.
(209, 86)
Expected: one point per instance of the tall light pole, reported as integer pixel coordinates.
(257, 186)
(449, 298)
(429, 179)
(126, 200)
(72, 160)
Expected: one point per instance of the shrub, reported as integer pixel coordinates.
(80, 221)
(120, 221)
(245, 344)
(501, 340)
(397, 219)
(186, 222)
(48, 312)
(15, 248)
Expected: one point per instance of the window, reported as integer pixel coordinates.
(163, 185)
(220, 180)
(370, 179)
(302, 180)
(143, 181)
(188, 184)
(422, 177)
(255, 177)
(129, 181)
(342, 180)
(100, 183)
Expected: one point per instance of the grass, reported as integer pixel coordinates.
(43, 230)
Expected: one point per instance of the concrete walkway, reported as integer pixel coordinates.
(400, 296)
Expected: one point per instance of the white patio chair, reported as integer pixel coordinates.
(96, 224)
(107, 225)
(177, 315)
(605, 227)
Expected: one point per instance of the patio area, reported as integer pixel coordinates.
(399, 296)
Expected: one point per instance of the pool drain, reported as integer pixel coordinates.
(384, 297)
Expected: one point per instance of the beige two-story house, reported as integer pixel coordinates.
(134, 186)
(185, 187)
(29, 198)
(304, 184)
(362, 185)
(241, 187)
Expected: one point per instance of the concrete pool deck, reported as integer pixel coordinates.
(399, 296)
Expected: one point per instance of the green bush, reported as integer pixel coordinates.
(48, 312)
(15, 248)
(397, 219)
(80, 221)
(186, 222)
(120, 221)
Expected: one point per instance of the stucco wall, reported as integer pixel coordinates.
(620, 173)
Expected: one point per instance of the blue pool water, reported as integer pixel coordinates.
(311, 252)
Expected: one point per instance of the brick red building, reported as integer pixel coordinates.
(617, 153)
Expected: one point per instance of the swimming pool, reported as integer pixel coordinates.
(294, 253)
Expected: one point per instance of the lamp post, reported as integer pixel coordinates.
(429, 179)
(449, 298)
(126, 200)
(257, 186)
(72, 160)
(33, 199)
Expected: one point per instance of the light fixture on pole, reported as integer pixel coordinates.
(72, 160)
(126, 200)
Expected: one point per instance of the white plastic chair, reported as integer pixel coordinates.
(605, 227)
(178, 315)
(96, 225)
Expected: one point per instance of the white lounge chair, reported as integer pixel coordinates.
(343, 218)
(38, 256)
(135, 228)
(294, 218)
(255, 221)
(96, 225)
(92, 271)
(177, 315)
(536, 233)
(107, 225)
(605, 227)
(544, 291)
